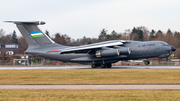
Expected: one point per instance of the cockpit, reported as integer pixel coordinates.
(164, 44)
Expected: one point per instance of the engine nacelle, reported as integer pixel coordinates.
(107, 53)
(124, 51)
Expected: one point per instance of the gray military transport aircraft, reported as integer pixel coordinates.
(101, 54)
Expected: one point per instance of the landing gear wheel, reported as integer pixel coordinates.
(146, 62)
(103, 66)
(93, 66)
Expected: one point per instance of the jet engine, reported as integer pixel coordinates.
(113, 52)
(124, 51)
(108, 52)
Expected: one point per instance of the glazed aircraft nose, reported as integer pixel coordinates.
(172, 48)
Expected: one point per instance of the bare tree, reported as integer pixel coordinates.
(22, 45)
(1, 33)
(159, 35)
(102, 35)
(177, 53)
(125, 35)
(3, 55)
(169, 37)
(176, 40)
(60, 39)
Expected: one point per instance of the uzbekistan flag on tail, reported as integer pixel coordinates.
(36, 34)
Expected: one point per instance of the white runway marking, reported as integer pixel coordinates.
(88, 67)
(90, 87)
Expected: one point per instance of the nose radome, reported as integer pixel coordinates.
(172, 48)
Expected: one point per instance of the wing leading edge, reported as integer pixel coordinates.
(96, 46)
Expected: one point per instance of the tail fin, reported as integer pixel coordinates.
(33, 35)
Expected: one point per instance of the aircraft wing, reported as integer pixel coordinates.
(96, 46)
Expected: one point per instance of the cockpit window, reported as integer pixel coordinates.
(164, 43)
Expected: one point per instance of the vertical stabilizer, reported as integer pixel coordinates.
(33, 35)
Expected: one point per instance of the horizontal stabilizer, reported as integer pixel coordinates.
(27, 22)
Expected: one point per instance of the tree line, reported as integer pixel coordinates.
(141, 33)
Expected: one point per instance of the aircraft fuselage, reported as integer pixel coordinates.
(138, 50)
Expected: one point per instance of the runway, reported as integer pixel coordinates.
(87, 67)
(140, 87)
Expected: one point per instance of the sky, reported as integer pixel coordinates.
(79, 18)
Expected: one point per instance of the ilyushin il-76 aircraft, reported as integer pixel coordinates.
(101, 54)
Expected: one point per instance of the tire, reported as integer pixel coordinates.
(146, 62)
(93, 66)
(103, 66)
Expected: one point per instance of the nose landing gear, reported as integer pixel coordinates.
(146, 62)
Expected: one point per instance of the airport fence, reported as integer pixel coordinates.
(6, 62)
(26, 62)
(152, 63)
(166, 63)
(121, 63)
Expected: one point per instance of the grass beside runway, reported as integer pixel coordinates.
(87, 95)
(91, 76)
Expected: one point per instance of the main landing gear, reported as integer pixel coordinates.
(101, 65)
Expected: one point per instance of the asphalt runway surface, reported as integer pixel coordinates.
(143, 87)
(88, 67)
